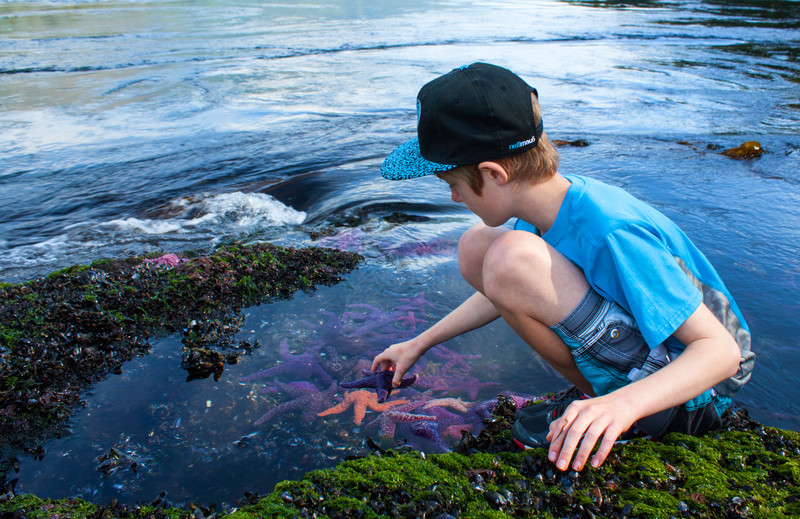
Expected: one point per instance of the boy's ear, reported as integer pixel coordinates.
(494, 171)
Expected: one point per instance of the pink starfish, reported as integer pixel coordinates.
(167, 260)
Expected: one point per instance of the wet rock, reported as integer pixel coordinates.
(746, 150)
(577, 143)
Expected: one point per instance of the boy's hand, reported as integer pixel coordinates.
(586, 422)
(400, 357)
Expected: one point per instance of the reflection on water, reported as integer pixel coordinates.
(131, 127)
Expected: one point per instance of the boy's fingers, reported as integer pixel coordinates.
(398, 375)
(603, 450)
(572, 434)
(587, 444)
(556, 437)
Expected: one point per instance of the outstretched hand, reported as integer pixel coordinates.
(399, 357)
(587, 422)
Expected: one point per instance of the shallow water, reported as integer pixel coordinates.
(129, 127)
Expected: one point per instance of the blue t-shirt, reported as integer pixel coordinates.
(635, 256)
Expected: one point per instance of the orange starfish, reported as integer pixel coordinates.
(360, 400)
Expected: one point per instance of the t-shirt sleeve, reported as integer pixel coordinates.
(657, 291)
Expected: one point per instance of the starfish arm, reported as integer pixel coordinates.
(378, 406)
(408, 381)
(387, 428)
(338, 408)
(454, 403)
(265, 373)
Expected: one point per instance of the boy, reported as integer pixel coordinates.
(604, 287)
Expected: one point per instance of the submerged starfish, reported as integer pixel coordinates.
(430, 431)
(303, 364)
(360, 401)
(454, 403)
(380, 380)
(388, 420)
(308, 400)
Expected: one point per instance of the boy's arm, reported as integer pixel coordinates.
(473, 313)
(711, 356)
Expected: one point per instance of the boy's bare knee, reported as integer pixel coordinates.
(472, 249)
(515, 260)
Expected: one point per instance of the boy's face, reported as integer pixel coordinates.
(487, 206)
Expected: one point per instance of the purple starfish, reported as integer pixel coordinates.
(455, 383)
(380, 380)
(453, 358)
(415, 304)
(430, 431)
(349, 335)
(435, 247)
(389, 419)
(303, 364)
(310, 402)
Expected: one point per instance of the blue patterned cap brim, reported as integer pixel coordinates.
(406, 161)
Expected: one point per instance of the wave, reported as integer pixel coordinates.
(223, 212)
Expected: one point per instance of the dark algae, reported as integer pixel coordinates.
(60, 333)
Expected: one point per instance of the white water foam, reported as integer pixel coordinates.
(228, 211)
(195, 220)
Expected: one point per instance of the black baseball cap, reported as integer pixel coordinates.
(473, 113)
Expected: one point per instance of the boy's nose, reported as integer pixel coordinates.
(455, 196)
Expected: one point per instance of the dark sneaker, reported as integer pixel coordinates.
(532, 423)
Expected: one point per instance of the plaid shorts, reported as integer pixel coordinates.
(610, 352)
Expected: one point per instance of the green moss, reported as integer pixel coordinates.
(74, 269)
(33, 507)
(731, 474)
(736, 473)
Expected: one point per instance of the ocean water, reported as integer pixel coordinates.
(129, 127)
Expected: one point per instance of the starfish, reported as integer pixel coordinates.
(417, 303)
(360, 401)
(293, 389)
(349, 335)
(454, 403)
(410, 321)
(306, 399)
(454, 431)
(388, 420)
(167, 260)
(455, 383)
(430, 431)
(453, 358)
(380, 380)
(450, 424)
(304, 364)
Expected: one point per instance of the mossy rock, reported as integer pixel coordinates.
(734, 473)
(743, 470)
